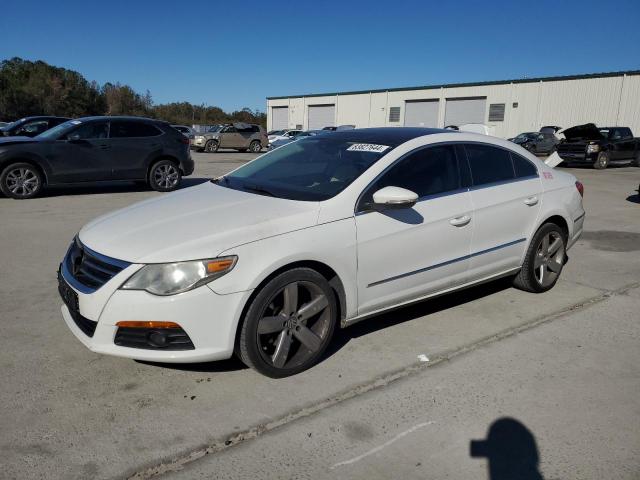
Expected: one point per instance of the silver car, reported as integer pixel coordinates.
(238, 136)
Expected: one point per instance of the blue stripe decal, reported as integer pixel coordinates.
(448, 262)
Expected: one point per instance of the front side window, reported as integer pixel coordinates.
(310, 169)
(33, 128)
(489, 164)
(125, 129)
(428, 171)
(90, 131)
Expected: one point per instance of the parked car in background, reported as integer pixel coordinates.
(285, 140)
(285, 135)
(238, 136)
(588, 144)
(95, 149)
(30, 126)
(339, 128)
(314, 236)
(186, 131)
(3, 124)
(537, 142)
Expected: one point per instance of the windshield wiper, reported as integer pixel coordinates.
(259, 190)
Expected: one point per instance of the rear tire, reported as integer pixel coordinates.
(164, 176)
(602, 161)
(21, 181)
(543, 261)
(288, 324)
(255, 146)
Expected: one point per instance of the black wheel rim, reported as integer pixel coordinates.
(549, 259)
(22, 182)
(294, 325)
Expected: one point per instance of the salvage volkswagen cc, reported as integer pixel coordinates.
(268, 260)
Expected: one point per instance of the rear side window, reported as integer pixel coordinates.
(523, 167)
(428, 171)
(124, 129)
(489, 164)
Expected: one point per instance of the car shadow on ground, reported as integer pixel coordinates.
(369, 326)
(109, 187)
(634, 198)
(510, 450)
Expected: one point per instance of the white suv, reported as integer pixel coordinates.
(268, 260)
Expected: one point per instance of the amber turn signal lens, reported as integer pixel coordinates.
(137, 324)
(216, 266)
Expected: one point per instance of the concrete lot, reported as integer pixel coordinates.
(369, 406)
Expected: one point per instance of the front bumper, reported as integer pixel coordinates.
(198, 143)
(209, 319)
(572, 157)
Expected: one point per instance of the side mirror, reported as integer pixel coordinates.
(394, 197)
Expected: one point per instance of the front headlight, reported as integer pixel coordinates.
(173, 278)
(593, 148)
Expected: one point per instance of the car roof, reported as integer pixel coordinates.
(391, 136)
(121, 117)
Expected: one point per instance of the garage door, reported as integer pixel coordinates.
(321, 116)
(279, 118)
(465, 110)
(423, 113)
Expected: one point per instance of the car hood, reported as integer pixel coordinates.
(194, 223)
(12, 140)
(586, 132)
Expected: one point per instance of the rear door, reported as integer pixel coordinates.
(133, 143)
(506, 194)
(622, 144)
(83, 155)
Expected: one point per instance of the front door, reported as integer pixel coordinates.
(407, 253)
(506, 196)
(83, 154)
(230, 138)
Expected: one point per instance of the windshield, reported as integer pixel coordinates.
(314, 168)
(55, 132)
(276, 132)
(215, 129)
(526, 136)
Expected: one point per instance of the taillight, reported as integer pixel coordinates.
(184, 140)
(580, 188)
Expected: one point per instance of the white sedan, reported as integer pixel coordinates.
(270, 259)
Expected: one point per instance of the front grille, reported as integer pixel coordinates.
(571, 148)
(153, 339)
(90, 269)
(70, 298)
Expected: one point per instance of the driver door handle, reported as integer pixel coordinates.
(531, 201)
(460, 221)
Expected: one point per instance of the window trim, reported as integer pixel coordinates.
(358, 208)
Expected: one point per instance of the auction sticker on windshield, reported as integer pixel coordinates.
(367, 147)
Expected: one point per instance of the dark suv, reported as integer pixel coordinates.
(30, 126)
(95, 149)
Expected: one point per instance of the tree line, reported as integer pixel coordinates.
(37, 88)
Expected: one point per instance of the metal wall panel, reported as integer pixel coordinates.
(279, 118)
(321, 116)
(465, 110)
(423, 113)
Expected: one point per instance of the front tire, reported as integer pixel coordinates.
(21, 181)
(602, 161)
(543, 261)
(211, 146)
(164, 176)
(288, 324)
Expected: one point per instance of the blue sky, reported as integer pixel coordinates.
(235, 53)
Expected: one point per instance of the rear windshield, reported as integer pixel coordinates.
(314, 168)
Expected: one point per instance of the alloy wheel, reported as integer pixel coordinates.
(22, 182)
(549, 258)
(166, 176)
(294, 325)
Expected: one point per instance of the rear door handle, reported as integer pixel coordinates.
(531, 201)
(104, 147)
(460, 221)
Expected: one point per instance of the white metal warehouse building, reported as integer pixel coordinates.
(509, 106)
